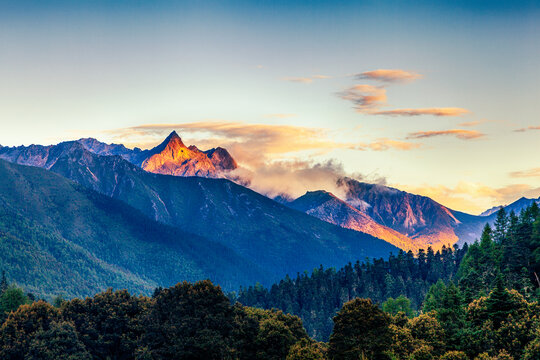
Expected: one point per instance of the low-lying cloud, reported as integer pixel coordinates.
(271, 157)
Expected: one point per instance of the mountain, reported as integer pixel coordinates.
(516, 206)
(57, 237)
(278, 239)
(174, 158)
(171, 157)
(415, 216)
(327, 207)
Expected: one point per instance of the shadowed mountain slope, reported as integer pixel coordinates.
(59, 236)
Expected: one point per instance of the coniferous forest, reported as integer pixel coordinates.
(476, 302)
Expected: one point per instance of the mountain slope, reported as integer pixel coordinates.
(418, 217)
(57, 236)
(327, 207)
(278, 239)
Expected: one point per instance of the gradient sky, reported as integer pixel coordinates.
(281, 85)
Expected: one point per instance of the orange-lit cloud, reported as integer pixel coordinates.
(365, 98)
(473, 197)
(252, 144)
(446, 111)
(531, 173)
(473, 123)
(369, 99)
(527, 129)
(385, 144)
(386, 75)
(459, 133)
(271, 157)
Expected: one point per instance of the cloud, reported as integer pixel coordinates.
(321, 77)
(386, 144)
(368, 99)
(527, 129)
(459, 133)
(271, 157)
(293, 178)
(445, 111)
(473, 197)
(280, 116)
(365, 98)
(307, 80)
(473, 123)
(389, 76)
(531, 173)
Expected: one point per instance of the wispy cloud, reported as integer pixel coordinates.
(473, 123)
(530, 173)
(386, 144)
(458, 133)
(280, 116)
(529, 128)
(446, 111)
(369, 99)
(389, 76)
(306, 79)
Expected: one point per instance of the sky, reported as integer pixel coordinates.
(437, 98)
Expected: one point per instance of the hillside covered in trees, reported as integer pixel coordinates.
(475, 303)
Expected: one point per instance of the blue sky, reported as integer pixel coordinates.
(289, 74)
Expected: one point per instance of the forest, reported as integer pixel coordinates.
(478, 302)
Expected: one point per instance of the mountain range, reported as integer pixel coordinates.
(265, 239)
(257, 238)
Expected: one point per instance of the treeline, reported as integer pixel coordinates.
(187, 321)
(482, 304)
(317, 297)
(511, 248)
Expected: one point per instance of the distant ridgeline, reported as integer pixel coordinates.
(473, 316)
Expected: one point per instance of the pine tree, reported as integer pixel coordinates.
(501, 226)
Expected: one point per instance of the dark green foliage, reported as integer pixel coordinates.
(22, 327)
(59, 342)
(316, 298)
(109, 324)
(361, 328)
(277, 333)
(189, 321)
